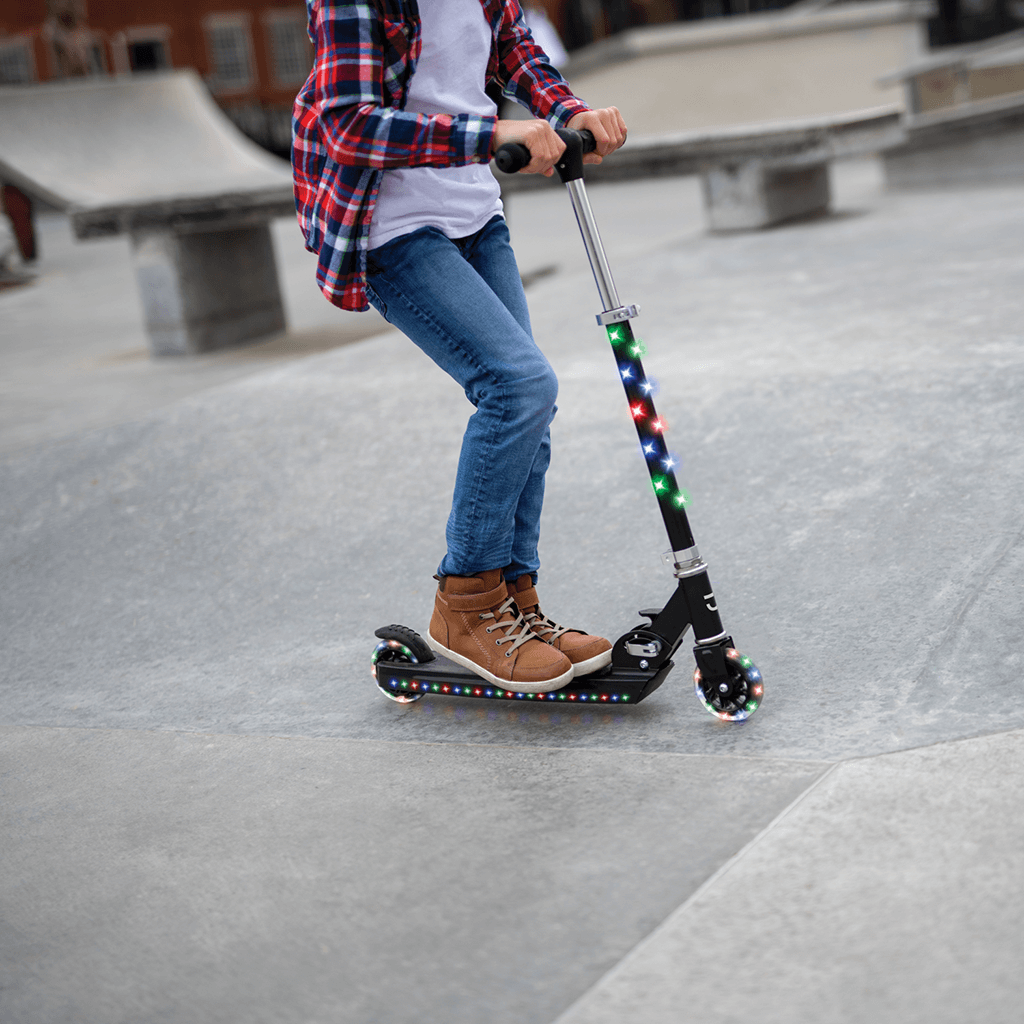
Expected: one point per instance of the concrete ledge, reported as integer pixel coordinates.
(228, 211)
(974, 143)
(753, 175)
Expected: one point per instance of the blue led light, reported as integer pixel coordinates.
(627, 372)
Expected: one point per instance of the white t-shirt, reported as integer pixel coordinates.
(449, 79)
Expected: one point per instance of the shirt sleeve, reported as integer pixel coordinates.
(526, 76)
(353, 84)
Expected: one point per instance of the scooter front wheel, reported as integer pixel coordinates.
(737, 697)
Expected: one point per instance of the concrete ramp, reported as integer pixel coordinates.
(116, 152)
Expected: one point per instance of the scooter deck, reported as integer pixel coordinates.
(443, 678)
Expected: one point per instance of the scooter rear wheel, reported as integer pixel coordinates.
(390, 651)
(737, 698)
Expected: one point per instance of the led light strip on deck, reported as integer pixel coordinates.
(460, 690)
(450, 690)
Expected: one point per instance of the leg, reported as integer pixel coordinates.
(491, 255)
(426, 287)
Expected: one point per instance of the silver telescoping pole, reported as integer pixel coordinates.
(612, 310)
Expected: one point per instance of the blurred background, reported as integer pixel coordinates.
(254, 54)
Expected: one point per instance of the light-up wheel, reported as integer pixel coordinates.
(389, 651)
(737, 697)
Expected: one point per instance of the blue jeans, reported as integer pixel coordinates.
(461, 301)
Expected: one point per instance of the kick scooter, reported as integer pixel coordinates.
(726, 683)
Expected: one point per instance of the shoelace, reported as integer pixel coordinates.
(541, 624)
(519, 622)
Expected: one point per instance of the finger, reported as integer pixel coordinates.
(546, 148)
(610, 124)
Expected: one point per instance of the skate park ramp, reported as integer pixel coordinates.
(210, 813)
(106, 149)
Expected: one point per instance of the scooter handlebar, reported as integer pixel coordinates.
(514, 156)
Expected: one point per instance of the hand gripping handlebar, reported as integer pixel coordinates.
(514, 156)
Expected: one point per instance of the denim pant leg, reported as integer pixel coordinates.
(461, 302)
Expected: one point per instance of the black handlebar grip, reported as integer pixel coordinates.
(514, 156)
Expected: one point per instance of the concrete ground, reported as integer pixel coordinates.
(209, 812)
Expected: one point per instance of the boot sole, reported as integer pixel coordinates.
(542, 686)
(593, 664)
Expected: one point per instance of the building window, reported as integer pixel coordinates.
(141, 48)
(291, 56)
(230, 47)
(148, 54)
(16, 63)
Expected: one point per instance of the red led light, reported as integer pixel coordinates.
(658, 425)
(477, 692)
(638, 411)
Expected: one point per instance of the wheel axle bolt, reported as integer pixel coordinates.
(643, 663)
(723, 687)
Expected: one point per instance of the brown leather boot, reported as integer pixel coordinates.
(587, 653)
(477, 625)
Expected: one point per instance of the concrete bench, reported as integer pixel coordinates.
(753, 175)
(153, 157)
(965, 120)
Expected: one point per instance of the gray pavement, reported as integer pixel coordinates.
(210, 814)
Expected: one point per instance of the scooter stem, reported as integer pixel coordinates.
(592, 243)
(628, 351)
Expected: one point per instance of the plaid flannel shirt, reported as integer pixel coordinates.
(349, 123)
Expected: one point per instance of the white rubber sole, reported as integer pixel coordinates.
(593, 664)
(545, 686)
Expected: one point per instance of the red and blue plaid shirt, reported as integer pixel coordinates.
(349, 122)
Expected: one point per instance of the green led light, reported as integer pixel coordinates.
(680, 499)
(615, 335)
(638, 349)
(660, 484)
